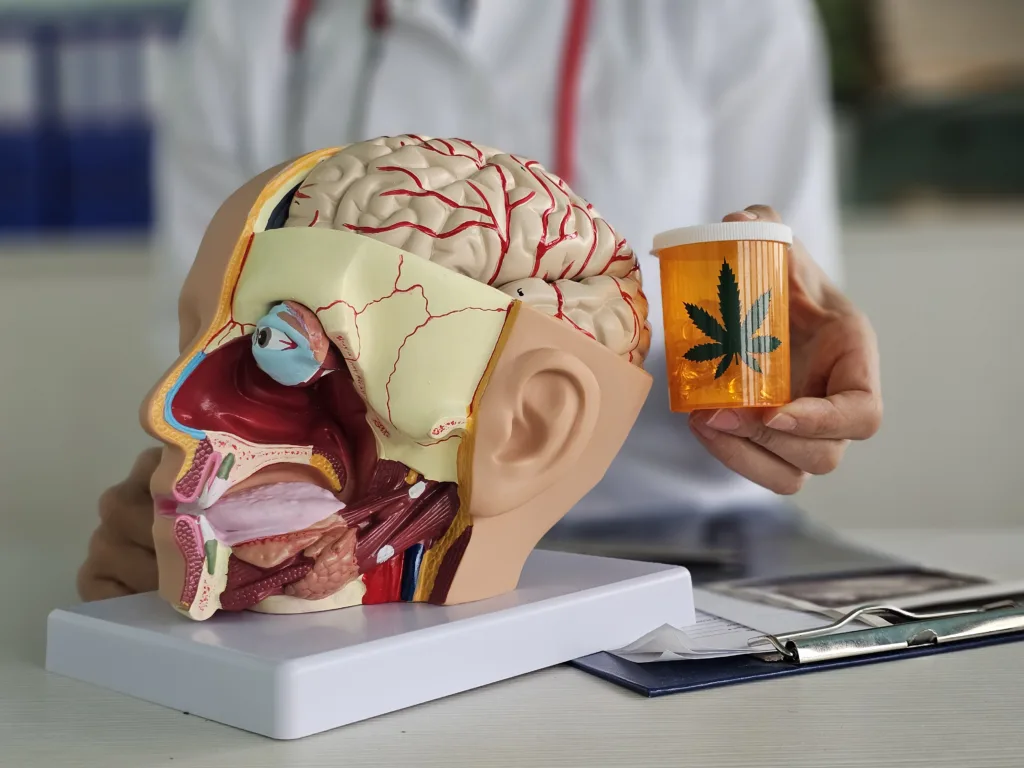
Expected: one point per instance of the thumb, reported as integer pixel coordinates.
(145, 465)
(755, 213)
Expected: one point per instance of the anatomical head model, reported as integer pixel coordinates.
(401, 363)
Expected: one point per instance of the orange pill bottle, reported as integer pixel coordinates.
(725, 299)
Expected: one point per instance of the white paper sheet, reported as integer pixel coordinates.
(710, 637)
(725, 626)
(768, 619)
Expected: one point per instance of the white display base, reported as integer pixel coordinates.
(292, 676)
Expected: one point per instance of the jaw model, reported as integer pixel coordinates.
(390, 387)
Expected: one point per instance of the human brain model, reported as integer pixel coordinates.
(495, 217)
(402, 362)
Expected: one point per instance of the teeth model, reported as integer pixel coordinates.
(216, 487)
(210, 495)
(209, 543)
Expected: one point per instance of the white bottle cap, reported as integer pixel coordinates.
(724, 230)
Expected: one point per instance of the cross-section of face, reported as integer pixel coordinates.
(401, 363)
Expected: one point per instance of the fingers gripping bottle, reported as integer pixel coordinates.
(725, 294)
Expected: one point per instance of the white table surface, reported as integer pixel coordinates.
(959, 709)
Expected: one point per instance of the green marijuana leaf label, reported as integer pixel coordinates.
(733, 337)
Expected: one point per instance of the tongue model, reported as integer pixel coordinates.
(269, 510)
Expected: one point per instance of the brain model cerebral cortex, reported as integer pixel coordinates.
(402, 361)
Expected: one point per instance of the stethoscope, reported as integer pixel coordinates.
(378, 20)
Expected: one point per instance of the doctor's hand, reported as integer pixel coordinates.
(836, 386)
(121, 560)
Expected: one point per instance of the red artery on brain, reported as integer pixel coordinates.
(500, 225)
(497, 217)
(390, 510)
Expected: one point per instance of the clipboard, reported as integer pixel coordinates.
(820, 649)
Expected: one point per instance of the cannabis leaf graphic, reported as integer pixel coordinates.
(732, 337)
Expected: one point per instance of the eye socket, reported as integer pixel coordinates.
(269, 338)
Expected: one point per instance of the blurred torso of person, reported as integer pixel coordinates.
(685, 111)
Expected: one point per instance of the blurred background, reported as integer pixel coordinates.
(929, 101)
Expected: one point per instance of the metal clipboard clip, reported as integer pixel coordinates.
(825, 643)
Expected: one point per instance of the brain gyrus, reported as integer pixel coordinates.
(497, 218)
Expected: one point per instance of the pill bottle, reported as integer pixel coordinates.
(725, 299)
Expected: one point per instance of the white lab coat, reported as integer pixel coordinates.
(687, 110)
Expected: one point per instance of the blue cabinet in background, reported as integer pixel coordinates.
(78, 95)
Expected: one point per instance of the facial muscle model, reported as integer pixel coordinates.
(401, 363)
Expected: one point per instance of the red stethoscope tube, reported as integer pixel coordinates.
(567, 94)
(568, 91)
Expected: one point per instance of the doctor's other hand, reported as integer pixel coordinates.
(836, 387)
(121, 560)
